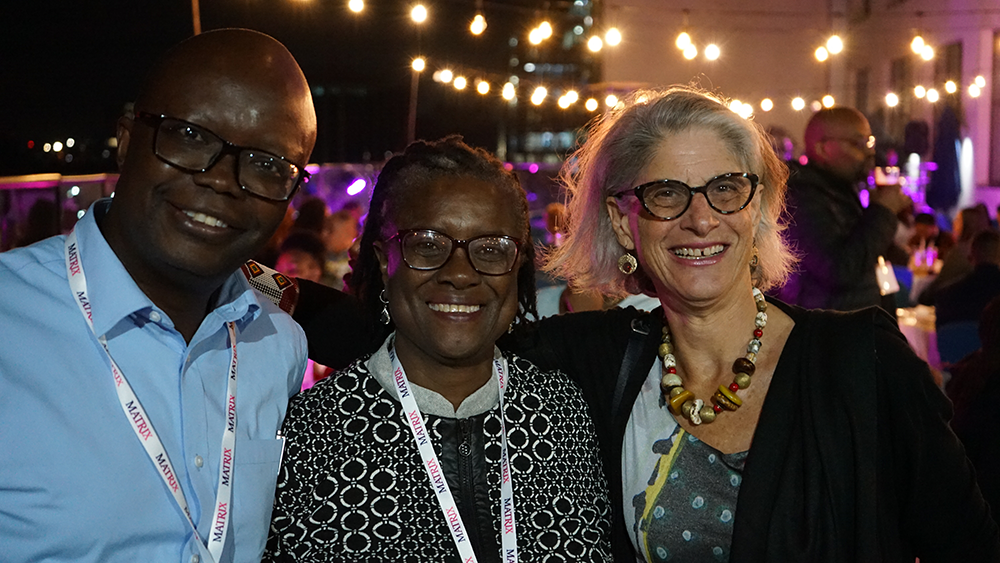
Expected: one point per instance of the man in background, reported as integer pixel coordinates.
(126, 436)
(838, 240)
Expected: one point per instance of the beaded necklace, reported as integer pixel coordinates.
(682, 402)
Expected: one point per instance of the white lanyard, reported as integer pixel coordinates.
(143, 427)
(449, 508)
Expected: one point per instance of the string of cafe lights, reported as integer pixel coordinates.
(540, 92)
(834, 45)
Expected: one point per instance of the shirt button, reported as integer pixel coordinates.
(198, 462)
(195, 558)
(155, 317)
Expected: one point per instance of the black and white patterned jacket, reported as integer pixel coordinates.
(353, 488)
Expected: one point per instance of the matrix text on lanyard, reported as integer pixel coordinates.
(449, 508)
(143, 427)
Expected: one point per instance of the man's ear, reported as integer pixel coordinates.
(620, 223)
(383, 261)
(123, 133)
(820, 152)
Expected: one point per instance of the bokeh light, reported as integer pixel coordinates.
(613, 37)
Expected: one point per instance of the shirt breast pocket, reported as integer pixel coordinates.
(254, 479)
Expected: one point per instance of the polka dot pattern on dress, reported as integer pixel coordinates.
(687, 511)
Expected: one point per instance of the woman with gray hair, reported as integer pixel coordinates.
(740, 428)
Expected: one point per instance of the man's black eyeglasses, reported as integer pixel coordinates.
(669, 199)
(424, 249)
(193, 148)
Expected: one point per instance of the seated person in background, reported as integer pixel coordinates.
(965, 299)
(969, 223)
(403, 456)
(302, 256)
(145, 297)
(926, 233)
(973, 388)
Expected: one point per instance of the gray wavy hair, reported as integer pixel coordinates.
(622, 143)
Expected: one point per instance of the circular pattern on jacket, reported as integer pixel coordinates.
(368, 496)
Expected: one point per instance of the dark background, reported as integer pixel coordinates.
(67, 69)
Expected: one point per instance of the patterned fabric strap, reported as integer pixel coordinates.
(282, 290)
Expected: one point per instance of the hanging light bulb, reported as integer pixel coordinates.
(766, 104)
(591, 104)
(418, 64)
(546, 28)
(933, 96)
(538, 96)
(798, 104)
(508, 91)
(980, 81)
(419, 13)
(974, 91)
(356, 6)
(683, 40)
(611, 101)
(690, 51)
(613, 37)
(460, 83)
(828, 101)
(483, 87)
(822, 54)
(927, 53)
(478, 25)
(950, 87)
(712, 52)
(917, 45)
(834, 44)
(919, 91)
(891, 100)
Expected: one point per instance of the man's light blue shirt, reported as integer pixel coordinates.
(75, 482)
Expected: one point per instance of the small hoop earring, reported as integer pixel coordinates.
(627, 264)
(385, 318)
(754, 259)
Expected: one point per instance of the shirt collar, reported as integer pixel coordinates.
(114, 295)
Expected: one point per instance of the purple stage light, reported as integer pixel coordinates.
(357, 186)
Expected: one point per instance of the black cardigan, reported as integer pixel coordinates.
(852, 458)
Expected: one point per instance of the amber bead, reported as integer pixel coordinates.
(731, 395)
(676, 401)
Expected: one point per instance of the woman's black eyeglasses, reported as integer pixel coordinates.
(669, 199)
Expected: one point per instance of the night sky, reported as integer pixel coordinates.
(67, 69)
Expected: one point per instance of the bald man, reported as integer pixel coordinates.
(837, 239)
(142, 381)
